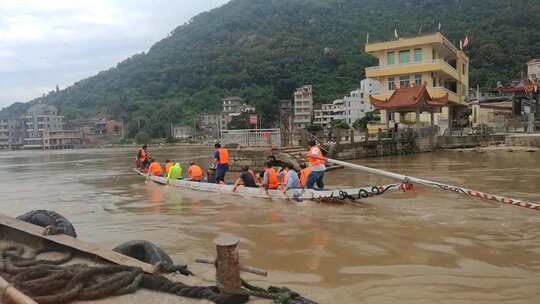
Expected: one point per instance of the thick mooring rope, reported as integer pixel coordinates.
(47, 282)
(279, 295)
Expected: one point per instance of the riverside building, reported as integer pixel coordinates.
(428, 60)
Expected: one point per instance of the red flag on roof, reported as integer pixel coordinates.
(466, 42)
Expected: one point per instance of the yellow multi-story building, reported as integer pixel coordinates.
(429, 59)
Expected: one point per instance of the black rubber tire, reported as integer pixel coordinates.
(46, 218)
(144, 251)
(150, 253)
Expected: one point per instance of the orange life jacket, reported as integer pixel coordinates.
(315, 156)
(195, 172)
(223, 156)
(303, 176)
(167, 167)
(272, 178)
(142, 154)
(155, 169)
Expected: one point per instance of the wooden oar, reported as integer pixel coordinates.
(446, 187)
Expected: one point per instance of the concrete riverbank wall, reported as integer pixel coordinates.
(255, 158)
(523, 140)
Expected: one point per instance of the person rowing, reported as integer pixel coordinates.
(304, 173)
(168, 165)
(221, 161)
(292, 180)
(155, 168)
(247, 179)
(142, 157)
(316, 161)
(194, 172)
(175, 172)
(270, 178)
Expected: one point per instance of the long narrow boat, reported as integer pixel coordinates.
(296, 194)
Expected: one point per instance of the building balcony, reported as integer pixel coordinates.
(437, 65)
(437, 92)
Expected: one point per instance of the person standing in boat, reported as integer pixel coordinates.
(194, 172)
(247, 178)
(316, 162)
(142, 157)
(221, 160)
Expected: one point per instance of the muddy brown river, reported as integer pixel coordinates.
(425, 246)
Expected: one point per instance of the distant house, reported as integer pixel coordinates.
(183, 132)
(108, 128)
(533, 69)
(61, 139)
(209, 124)
(11, 132)
(233, 106)
(303, 107)
(40, 118)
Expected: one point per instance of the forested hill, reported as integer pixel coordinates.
(262, 49)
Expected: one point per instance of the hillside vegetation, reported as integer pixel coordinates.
(262, 50)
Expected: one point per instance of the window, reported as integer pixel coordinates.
(417, 55)
(391, 84)
(390, 58)
(404, 81)
(463, 68)
(418, 79)
(404, 56)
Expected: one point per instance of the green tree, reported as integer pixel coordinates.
(361, 123)
(339, 124)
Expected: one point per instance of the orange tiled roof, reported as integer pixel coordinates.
(524, 85)
(409, 98)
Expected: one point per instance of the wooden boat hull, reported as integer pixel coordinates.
(296, 194)
(13, 231)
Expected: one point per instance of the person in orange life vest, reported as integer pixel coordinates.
(304, 172)
(270, 178)
(316, 162)
(247, 178)
(155, 168)
(142, 157)
(221, 160)
(168, 165)
(194, 172)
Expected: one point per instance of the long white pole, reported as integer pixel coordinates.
(441, 186)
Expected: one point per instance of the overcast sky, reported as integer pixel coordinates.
(48, 42)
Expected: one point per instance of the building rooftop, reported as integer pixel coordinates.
(410, 98)
(404, 42)
(533, 61)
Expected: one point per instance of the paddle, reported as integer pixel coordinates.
(446, 187)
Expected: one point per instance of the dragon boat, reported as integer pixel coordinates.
(338, 193)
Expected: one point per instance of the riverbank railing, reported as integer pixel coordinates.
(252, 137)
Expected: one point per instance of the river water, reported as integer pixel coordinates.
(424, 246)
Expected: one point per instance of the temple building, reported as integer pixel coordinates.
(431, 62)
